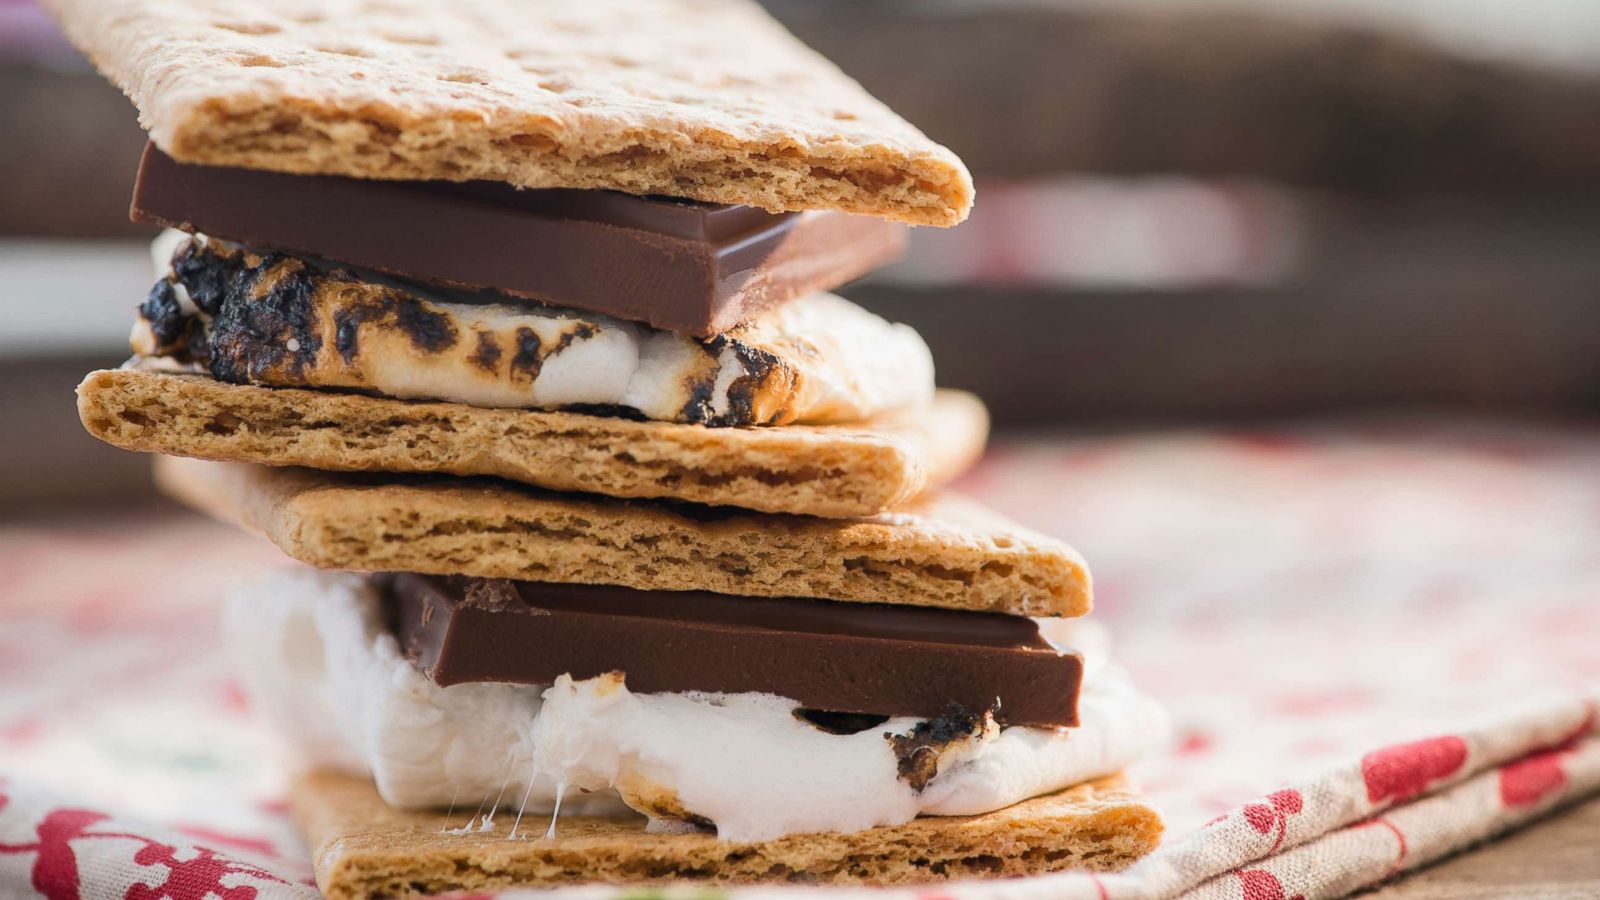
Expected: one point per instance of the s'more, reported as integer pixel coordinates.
(624, 548)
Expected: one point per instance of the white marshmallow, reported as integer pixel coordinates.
(316, 657)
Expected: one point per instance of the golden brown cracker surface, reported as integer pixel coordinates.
(940, 550)
(362, 848)
(826, 470)
(707, 99)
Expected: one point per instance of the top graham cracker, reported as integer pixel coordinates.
(706, 99)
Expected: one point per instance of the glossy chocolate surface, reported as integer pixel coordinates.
(696, 268)
(840, 657)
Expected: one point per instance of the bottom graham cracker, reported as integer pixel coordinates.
(363, 848)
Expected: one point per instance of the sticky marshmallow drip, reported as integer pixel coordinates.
(523, 806)
(561, 791)
(450, 811)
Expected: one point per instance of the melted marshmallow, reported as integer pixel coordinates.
(284, 322)
(321, 665)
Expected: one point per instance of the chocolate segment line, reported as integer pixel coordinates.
(844, 658)
(695, 268)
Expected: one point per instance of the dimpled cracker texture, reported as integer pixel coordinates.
(707, 99)
(362, 848)
(940, 550)
(823, 470)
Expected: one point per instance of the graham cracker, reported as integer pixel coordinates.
(940, 550)
(707, 99)
(363, 848)
(822, 470)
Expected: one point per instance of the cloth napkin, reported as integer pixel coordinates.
(1376, 640)
(1395, 808)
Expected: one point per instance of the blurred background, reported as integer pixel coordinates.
(1288, 312)
(1188, 212)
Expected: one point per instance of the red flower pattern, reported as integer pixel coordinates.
(1403, 771)
(55, 867)
(1531, 779)
(1259, 884)
(1273, 815)
(194, 879)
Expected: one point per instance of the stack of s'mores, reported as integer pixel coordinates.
(628, 555)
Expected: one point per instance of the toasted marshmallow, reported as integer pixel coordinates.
(287, 322)
(322, 666)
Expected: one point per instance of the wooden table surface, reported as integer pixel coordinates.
(1556, 859)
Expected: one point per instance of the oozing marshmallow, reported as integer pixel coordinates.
(321, 664)
(283, 321)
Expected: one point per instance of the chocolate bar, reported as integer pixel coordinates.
(696, 268)
(834, 657)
